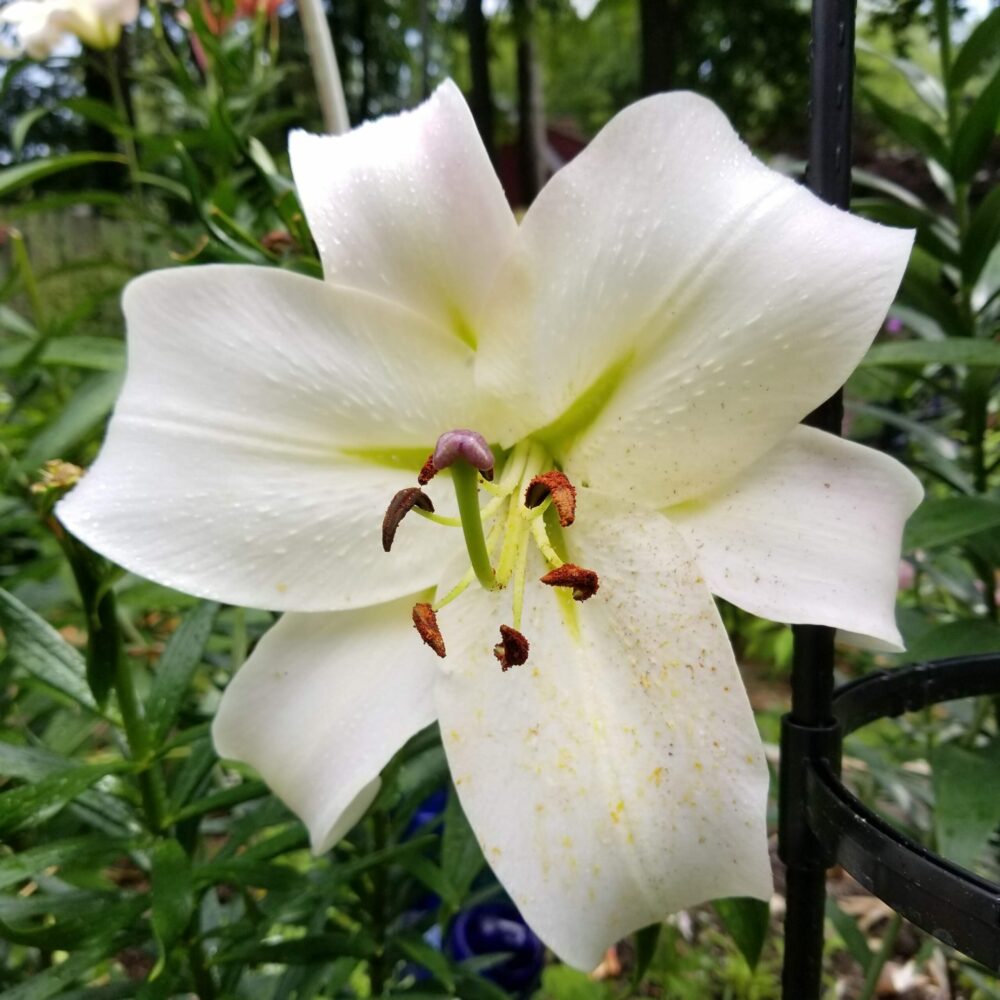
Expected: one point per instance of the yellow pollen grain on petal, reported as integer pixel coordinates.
(567, 841)
(616, 813)
(281, 587)
(656, 775)
(455, 736)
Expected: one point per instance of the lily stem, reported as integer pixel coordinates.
(150, 786)
(466, 480)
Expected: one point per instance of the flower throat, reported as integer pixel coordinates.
(498, 535)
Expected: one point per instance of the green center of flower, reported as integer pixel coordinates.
(529, 504)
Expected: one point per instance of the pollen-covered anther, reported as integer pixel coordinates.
(400, 505)
(465, 445)
(562, 491)
(427, 471)
(512, 649)
(426, 623)
(583, 581)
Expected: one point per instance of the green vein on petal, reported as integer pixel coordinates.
(410, 459)
(584, 410)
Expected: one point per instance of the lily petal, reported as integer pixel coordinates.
(408, 207)
(266, 421)
(617, 776)
(810, 533)
(322, 705)
(694, 317)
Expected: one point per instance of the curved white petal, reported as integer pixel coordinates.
(37, 25)
(810, 533)
(617, 776)
(408, 207)
(322, 705)
(717, 298)
(228, 469)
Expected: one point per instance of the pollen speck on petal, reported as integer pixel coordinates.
(400, 505)
(562, 491)
(426, 623)
(583, 581)
(512, 649)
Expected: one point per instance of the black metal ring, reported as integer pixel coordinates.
(955, 905)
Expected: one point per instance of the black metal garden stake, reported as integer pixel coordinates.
(809, 731)
(819, 821)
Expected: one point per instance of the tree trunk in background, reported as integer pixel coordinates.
(425, 49)
(481, 98)
(364, 58)
(659, 33)
(109, 176)
(530, 107)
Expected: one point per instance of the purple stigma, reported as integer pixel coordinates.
(470, 446)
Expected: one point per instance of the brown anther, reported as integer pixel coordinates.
(426, 623)
(428, 471)
(400, 505)
(562, 491)
(512, 649)
(583, 581)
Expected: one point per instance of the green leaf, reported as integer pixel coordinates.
(976, 131)
(560, 982)
(912, 130)
(942, 521)
(917, 353)
(91, 403)
(847, 928)
(646, 940)
(960, 638)
(431, 876)
(313, 948)
(982, 45)
(747, 921)
(51, 982)
(99, 353)
(19, 176)
(172, 894)
(983, 235)
(30, 805)
(925, 294)
(461, 857)
(40, 650)
(176, 668)
(966, 805)
(73, 927)
(417, 950)
(19, 130)
(90, 849)
(925, 85)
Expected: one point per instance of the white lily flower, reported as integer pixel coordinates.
(655, 328)
(42, 24)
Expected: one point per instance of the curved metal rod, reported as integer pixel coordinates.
(955, 905)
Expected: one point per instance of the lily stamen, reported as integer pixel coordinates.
(399, 506)
(584, 582)
(425, 622)
(512, 649)
(556, 485)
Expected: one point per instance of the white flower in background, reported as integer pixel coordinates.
(42, 24)
(655, 328)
